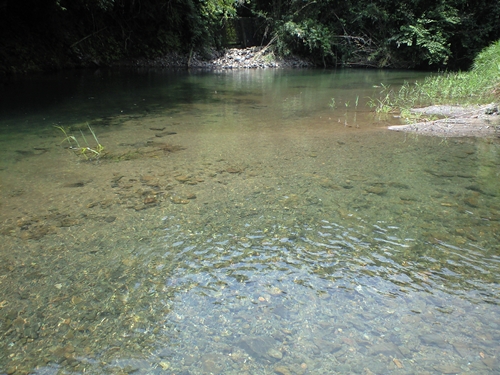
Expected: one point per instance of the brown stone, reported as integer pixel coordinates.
(282, 370)
(378, 190)
(150, 200)
(68, 222)
(328, 184)
(178, 200)
(471, 202)
(182, 178)
(233, 170)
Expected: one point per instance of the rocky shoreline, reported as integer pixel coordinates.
(456, 121)
(233, 58)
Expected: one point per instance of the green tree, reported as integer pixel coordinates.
(415, 33)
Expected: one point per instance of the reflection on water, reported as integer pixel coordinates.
(238, 224)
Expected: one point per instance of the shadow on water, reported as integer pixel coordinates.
(85, 95)
(244, 226)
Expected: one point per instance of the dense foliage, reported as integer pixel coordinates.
(383, 33)
(39, 33)
(43, 34)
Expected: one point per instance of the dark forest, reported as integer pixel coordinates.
(41, 35)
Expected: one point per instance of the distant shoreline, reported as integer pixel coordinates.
(233, 58)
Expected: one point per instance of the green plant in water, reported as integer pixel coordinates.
(356, 110)
(85, 150)
(332, 103)
(402, 101)
(383, 104)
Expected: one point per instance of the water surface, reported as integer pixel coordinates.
(241, 223)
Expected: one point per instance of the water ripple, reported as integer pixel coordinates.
(332, 252)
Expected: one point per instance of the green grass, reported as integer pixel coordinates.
(83, 148)
(479, 85)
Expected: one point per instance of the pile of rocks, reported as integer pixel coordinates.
(234, 58)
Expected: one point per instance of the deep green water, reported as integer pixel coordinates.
(237, 223)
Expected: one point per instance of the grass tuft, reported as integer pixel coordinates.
(86, 150)
(479, 85)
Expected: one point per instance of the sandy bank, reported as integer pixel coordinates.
(456, 121)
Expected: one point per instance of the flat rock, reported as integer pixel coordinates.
(461, 348)
(448, 110)
(491, 362)
(327, 345)
(434, 339)
(257, 347)
(460, 122)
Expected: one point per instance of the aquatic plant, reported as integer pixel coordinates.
(356, 110)
(85, 150)
(383, 104)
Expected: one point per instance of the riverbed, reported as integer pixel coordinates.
(240, 222)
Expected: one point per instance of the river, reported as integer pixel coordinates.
(240, 222)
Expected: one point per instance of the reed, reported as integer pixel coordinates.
(83, 149)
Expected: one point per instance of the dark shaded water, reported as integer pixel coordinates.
(240, 223)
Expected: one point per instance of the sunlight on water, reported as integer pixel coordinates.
(239, 223)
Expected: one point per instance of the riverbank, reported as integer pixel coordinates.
(233, 58)
(456, 121)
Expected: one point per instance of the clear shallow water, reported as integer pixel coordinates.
(270, 234)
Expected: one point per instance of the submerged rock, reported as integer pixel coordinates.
(258, 347)
(434, 339)
(385, 348)
(378, 190)
(448, 369)
(282, 370)
(177, 200)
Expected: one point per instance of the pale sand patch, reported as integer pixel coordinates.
(456, 121)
